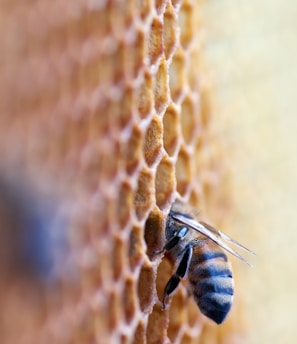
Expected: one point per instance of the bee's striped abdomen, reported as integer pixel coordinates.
(211, 280)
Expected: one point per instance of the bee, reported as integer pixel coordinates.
(200, 251)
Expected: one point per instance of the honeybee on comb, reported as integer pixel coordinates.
(200, 249)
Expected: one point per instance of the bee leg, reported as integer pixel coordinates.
(180, 273)
(174, 240)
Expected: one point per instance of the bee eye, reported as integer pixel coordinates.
(182, 232)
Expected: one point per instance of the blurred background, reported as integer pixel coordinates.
(174, 91)
(250, 52)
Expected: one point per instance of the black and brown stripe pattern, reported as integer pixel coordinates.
(210, 277)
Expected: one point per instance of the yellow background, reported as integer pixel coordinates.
(250, 52)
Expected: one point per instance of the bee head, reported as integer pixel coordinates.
(171, 227)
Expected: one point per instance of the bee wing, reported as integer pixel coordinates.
(226, 237)
(213, 234)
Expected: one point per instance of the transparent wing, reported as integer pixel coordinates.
(213, 234)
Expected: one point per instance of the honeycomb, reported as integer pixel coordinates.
(104, 104)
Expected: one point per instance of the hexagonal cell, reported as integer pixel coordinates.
(155, 47)
(134, 53)
(165, 271)
(183, 172)
(124, 339)
(146, 288)
(153, 141)
(121, 110)
(124, 203)
(99, 125)
(188, 339)
(170, 130)
(100, 324)
(157, 326)
(136, 247)
(118, 258)
(139, 51)
(170, 31)
(101, 214)
(177, 313)
(129, 300)
(196, 195)
(108, 168)
(143, 199)
(95, 16)
(78, 128)
(144, 96)
(161, 91)
(139, 335)
(91, 164)
(189, 113)
(84, 329)
(90, 73)
(205, 106)
(120, 17)
(79, 131)
(115, 311)
(154, 233)
(22, 314)
(132, 150)
(165, 183)
(185, 19)
(177, 77)
(128, 61)
(144, 8)
(117, 59)
(111, 67)
(213, 177)
(126, 107)
(93, 275)
(60, 144)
